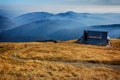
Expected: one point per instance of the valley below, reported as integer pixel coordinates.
(69, 25)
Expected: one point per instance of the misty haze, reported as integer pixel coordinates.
(62, 26)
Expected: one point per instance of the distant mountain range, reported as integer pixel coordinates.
(8, 13)
(113, 30)
(85, 19)
(63, 26)
(5, 23)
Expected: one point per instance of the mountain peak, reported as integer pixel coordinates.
(70, 12)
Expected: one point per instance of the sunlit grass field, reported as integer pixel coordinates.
(65, 60)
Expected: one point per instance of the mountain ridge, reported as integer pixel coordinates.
(43, 25)
(31, 33)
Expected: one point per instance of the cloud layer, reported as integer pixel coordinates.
(67, 2)
(62, 5)
(94, 2)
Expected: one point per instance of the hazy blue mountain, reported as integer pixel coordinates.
(113, 30)
(88, 19)
(66, 34)
(7, 13)
(69, 14)
(38, 30)
(31, 17)
(63, 26)
(31, 32)
(5, 23)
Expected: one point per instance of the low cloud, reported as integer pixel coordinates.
(93, 2)
(56, 6)
(64, 8)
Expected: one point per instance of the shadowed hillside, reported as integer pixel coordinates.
(47, 26)
(65, 60)
(5, 23)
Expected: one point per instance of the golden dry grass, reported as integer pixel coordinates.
(65, 60)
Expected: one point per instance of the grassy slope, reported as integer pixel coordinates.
(59, 61)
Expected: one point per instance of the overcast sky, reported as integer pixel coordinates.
(56, 6)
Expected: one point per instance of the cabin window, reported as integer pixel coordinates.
(95, 37)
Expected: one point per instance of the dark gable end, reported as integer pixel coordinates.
(94, 37)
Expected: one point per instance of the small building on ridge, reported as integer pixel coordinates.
(94, 38)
